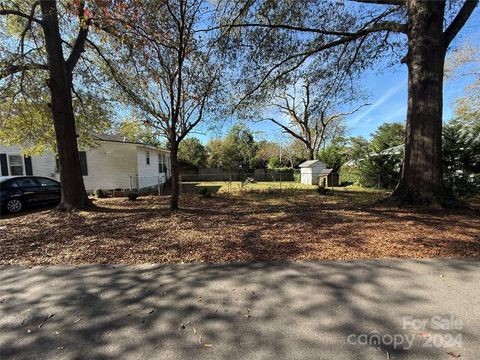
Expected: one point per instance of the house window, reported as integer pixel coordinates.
(148, 157)
(161, 163)
(83, 162)
(16, 164)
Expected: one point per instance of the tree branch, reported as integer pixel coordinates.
(13, 69)
(383, 2)
(348, 113)
(288, 130)
(79, 46)
(20, 14)
(459, 21)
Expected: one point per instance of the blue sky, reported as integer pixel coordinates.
(387, 93)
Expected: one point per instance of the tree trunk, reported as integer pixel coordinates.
(311, 153)
(73, 191)
(422, 179)
(175, 176)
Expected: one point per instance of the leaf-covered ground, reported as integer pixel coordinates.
(261, 224)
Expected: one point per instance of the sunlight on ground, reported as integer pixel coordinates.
(276, 193)
(259, 222)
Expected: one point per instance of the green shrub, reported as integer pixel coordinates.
(132, 195)
(322, 190)
(205, 192)
(297, 177)
(349, 175)
(381, 171)
(101, 194)
(462, 184)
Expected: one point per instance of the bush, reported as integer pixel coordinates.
(462, 184)
(284, 170)
(322, 190)
(349, 175)
(297, 177)
(132, 195)
(101, 194)
(381, 171)
(205, 193)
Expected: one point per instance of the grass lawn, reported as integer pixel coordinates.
(256, 222)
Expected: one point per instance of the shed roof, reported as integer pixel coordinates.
(309, 163)
(325, 172)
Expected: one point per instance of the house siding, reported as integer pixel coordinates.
(148, 174)
(43, 165)
(110, 165)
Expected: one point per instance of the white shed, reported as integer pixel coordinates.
(310, 171)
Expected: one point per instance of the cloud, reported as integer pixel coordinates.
(391, 92)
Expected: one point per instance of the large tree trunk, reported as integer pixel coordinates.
(73, 191)
(422, 179)
(175, 176)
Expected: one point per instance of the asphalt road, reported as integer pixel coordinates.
(379, 309)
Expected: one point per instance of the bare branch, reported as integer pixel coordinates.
(459, 21)
(13, 69)
(79, 46)
(384, 2)
(30, 17)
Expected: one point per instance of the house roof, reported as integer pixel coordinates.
(394, 150)
(309, 163)
(119, 139)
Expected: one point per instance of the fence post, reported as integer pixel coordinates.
(158, 186)
(180, 184)
(130, 181)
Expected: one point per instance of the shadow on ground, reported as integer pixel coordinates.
(286, 310)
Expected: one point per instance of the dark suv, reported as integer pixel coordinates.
(17, 192)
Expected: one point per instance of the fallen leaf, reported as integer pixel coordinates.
(454, 354)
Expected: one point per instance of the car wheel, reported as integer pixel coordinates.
(14, 205)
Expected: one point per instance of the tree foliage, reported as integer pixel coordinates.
(386, 136)
(192, 154)
(135, 130)
(168, 71)
(461, 157)
(237, 150)
(334, 155)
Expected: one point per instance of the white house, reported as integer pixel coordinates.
(112, 163)
(310, 171)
